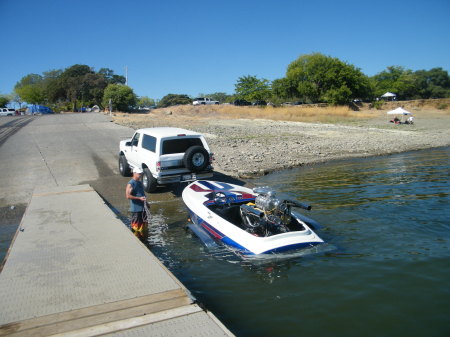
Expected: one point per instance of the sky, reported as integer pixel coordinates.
(203, 46)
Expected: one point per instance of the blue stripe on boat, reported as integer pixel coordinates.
(223, 186)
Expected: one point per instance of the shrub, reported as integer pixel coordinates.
(377, 105)
(174, 99)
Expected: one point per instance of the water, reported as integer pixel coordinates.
(387, 272)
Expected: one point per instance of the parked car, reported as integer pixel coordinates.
(241, 102)
(7, 112)
(204, 101)
(260, 102)
(166, 155)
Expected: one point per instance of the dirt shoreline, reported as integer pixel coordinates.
(246, 148)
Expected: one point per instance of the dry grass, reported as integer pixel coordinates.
(191, 115)
(289, 113)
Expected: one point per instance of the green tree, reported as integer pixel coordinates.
(93, 88)
(145, 102)
(174, 99)
(252, 88)
(284, 89)
(398, 80)
(121, 96)
(32, 93)
(110, 77)
(75, 88)
(434, 83)
(29, 79)
(17, 99)
(31, 89)
(324, 78)
(53, 86)
(4, 100)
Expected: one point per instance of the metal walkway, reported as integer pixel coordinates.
(74, 269)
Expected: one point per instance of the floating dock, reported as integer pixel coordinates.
(74, 269)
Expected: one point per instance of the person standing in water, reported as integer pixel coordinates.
(135, 193)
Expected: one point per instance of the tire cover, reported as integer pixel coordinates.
(188, 159)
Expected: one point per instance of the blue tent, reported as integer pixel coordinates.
(34, 109)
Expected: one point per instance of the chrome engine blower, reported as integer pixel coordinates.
(269, 215)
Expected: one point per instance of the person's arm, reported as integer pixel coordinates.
(128, 195)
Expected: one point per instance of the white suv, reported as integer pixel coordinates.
(166, 155)
(7, 112)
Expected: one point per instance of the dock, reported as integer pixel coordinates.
(74, 269)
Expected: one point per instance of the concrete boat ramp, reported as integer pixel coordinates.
(74, 269)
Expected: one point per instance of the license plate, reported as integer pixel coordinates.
(189, 177)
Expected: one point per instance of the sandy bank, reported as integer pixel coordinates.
(248, 147)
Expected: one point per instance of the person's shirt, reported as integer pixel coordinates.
(137, 190)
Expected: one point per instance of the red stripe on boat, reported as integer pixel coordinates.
(210, 230)
(198, 188)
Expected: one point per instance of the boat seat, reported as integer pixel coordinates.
(230, 213)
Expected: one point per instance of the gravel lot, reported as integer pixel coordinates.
(249, 147)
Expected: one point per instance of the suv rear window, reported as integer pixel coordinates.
(179, 145)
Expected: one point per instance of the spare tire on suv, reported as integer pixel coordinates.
(196, 158)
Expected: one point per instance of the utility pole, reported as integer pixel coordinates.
(126, 75)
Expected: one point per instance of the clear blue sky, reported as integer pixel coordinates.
(192, 47)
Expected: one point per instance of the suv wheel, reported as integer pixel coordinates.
(149, 181)
(124, 168)
(196, 158)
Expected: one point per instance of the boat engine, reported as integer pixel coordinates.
(269, 215)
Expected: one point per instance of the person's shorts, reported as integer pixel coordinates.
(138, 225)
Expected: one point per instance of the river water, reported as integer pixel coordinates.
(385, 270)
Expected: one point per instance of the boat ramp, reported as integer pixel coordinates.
(74, 269)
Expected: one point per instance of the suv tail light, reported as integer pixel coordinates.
(158, 166)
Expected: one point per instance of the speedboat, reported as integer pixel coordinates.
(251, 221)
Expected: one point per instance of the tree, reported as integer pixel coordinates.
(398, 80)
(110, 77)
(3, 100)
(29, 79)
(31, 89)
(17, 99)
(93, 88)
(284, 88)
(121, 96)
(324, 78)
(434, 83)
(53, 86)
(251, 88)
(146, 102)
(74, 86)
(174, 99)
(33, 94)
(72, 81)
